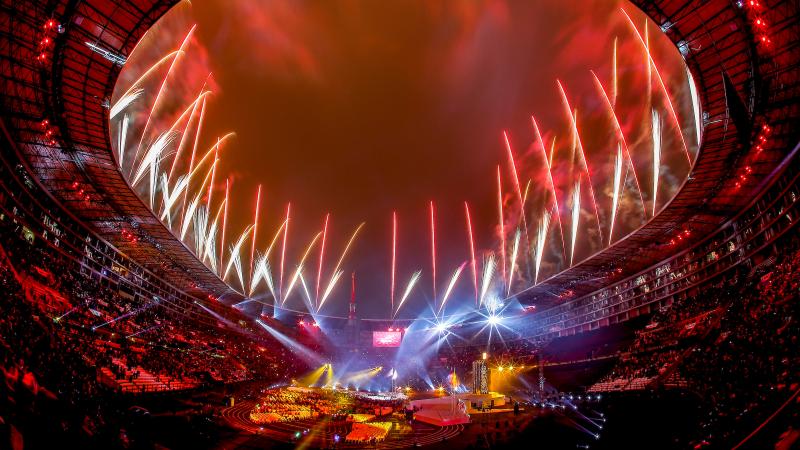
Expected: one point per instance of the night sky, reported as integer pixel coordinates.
(361, 108)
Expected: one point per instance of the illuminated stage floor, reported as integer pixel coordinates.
(321, 432)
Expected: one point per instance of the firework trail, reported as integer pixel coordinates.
(255, 231)
(451, 285)
(394, 257)
(193, 205)
(621, 137)
(283, 249)
(161, 90)
(334, 279)
(124, 102)
(577, 136)
(213, 176)
(299, 268)
(321, 255)
(194, 167)
(433, 250)
(186, 129)
(263, 267)
(576, 215)
(336, 272)
(541, 238)
(667, 98)
(149, 71)
(514, 253)
(196, 144)
(235, 258)
(549, 164)
(169, 198)
(152, 155)
(656, 155)
(517, 185)
(614, 76)
(308, 298)
(502, 226)
(123, 136)
(237, 262)
(616, 194)
(409, 288)
(472, 252)
(489, 265)
(695, 105)
(224, 220)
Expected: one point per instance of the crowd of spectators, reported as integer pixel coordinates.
(69, 341)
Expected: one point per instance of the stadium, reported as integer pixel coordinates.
(354, 224)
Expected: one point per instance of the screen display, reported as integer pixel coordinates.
(386, 338)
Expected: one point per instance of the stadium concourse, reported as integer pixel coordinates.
(115, 332)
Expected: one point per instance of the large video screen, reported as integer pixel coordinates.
(386, 338)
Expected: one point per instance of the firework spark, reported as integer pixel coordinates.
(409, 287)
(489, 265)
(667, 98)
(255, 231)
(502, 226)
(433, 250)
(656, 155)
(620, 137)
(514, 253)
(336, 271)
(472, 252)
(283, 249)
(299, 269)
(124, 102)
(549, 162)
(577, 136)
(394, 257)
(451, 285)
(321, 255)
(576, 215)
(541, 238)
(616, 192)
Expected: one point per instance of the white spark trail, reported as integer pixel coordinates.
(409, 288)
(656, 156)
(124, 102)
(698, 124)
(452, 283)
(489, 266)
(576, 214)
(541, 239)
(514, 253)
(616, 193)
(123, 137)
(299, 268)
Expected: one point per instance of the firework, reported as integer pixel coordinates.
(185, 133)
(656, 155)
(235, 258)
(549, 163)
(283, 249)
(472, 251)
(576, 214)
(394, 258)
(514, 253)
(433, 250)
(451, 285)
(123, 136)
(336, 272)
(161, 89)
(124, 102)
(614, 78)
(224, 219)
(577, 137)
(695, 105)
(152, 156)
(299, 268)
(321, 255)
(489, 265)
(409, 288)
(541, 238)
(502, 225)
(255, 231)
(667, 98)
(616, 193)
(621, 138)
